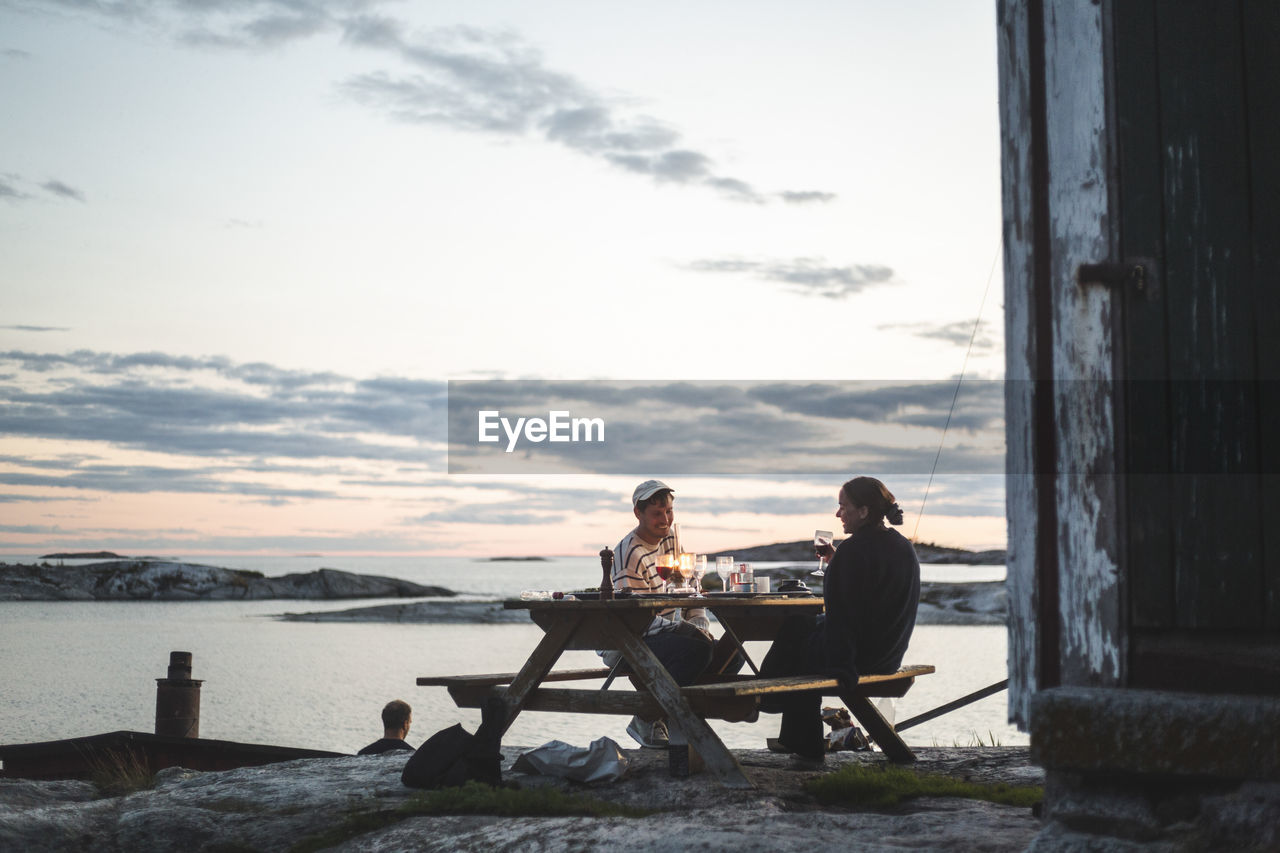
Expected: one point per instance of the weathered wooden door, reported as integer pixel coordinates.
(1141, 162)
(1197, 152)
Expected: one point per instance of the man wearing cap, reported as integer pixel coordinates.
(680, 639)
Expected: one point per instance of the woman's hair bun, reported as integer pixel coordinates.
(893, 513)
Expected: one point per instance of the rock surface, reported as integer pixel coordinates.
(419, 612)
(163, 580)
(802, 551)
(982, 603)
(276, 806)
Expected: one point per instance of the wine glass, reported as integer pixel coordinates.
(699, 571)
(820, 538)
(664, 565)
(685, 567)
(724, 566)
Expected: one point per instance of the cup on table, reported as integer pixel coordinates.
(762, 584)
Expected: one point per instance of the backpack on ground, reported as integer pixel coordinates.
(454, 756)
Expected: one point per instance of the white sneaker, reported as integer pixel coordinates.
(651, 735)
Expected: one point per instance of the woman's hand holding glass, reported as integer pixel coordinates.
(822, 545)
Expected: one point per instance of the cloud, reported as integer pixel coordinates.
(265, 30)
(238, 24)
(487, 515)
(16, 53)
(807, 276)
(755, 428)
(176, 541)
(481, 81)
(17, 499)
(25, 328)
(145, 479)
(925, 404)
(62, 190)
(958, 333)
(806, 197)
(757, 506)
(264, 433)
(9, 191)
(216, 408)
(464, 78)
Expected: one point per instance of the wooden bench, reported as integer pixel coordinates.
(732, 698)
(491, 679)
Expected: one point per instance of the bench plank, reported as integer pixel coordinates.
(491, 679)
(617, 702)
(892, 684)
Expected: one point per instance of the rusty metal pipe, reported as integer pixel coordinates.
(178, 699)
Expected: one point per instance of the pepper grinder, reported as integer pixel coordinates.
(606, 580)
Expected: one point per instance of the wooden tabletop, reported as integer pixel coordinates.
(665, 602)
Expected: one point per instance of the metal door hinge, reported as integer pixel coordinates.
(1137, 277)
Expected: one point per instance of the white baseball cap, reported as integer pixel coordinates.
(648, 489)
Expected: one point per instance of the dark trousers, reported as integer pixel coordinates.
(684, 651)
(796, 652)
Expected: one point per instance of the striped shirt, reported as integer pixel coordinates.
(635, 566)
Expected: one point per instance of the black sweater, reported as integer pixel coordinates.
(872, 588)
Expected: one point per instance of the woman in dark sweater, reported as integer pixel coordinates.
(872, 588)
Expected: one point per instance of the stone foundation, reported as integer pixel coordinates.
(1157, 770)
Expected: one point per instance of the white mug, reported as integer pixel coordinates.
(762, 583)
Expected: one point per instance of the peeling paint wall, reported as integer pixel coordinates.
(1021, 494)
(1059, 330)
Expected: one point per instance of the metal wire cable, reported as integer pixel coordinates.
(963, 367)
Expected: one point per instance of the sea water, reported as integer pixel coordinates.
(69, 669)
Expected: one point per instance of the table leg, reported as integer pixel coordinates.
(741, 648)
(646, 667)
(879, 729)
(535, 669)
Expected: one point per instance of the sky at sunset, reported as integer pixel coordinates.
(244, 246)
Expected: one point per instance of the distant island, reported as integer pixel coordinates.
(516, 560)
(170, 580)
(84, 555)
(802, 550)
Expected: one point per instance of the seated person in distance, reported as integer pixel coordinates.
(397, 716)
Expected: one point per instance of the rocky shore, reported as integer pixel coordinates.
(164, 580)
(802, 551)
(276, 807)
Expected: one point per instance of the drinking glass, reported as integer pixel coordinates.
(699, 571)
(724, 565)
(820, 538)
(686, 567)
(664, 565)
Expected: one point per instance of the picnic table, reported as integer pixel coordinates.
(620, 624)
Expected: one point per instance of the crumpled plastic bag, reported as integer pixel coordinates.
(602, 761)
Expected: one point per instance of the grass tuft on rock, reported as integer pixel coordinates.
(886, 787)
(115, 774)
(472, 798)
